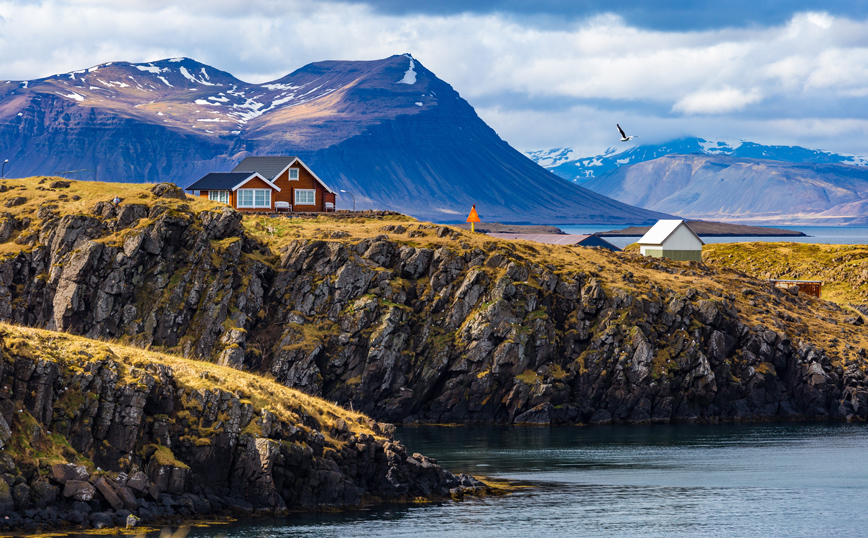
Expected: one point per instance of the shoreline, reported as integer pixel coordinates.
(702, 228)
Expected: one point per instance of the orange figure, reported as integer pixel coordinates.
(473, 218)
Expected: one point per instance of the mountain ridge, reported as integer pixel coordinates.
(755, 191)
(389, 131)
(566, 164)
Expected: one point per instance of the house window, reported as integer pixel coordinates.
(305, 197)
(255, 198)
(293, 174)
(219, 196)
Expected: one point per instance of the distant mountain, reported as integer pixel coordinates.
(750, 191)
(565, 163)
(389, 131)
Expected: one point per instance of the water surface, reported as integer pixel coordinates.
(787, 480)
(834, 235)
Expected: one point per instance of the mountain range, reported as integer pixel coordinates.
(739, 181)
(568, 165)
(388, 131)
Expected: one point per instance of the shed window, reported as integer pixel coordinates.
(305, 197)
(255, 198)
(219, 196)
(293, 174)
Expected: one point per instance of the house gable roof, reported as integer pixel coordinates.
(662, 230)
(271, 167)
(227, 181)
(558, 239)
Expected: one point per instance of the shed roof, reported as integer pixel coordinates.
(226, 181)
(219, 181)
(270, 167)
(663, 229)
(558, 239)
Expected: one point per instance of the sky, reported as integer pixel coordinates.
(544, 73)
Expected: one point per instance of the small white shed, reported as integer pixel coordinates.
(671, 239)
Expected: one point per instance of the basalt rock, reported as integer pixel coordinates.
(431, 334)
(160, 448)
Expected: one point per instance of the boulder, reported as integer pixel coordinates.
(101, 520)
(168, 190)
(64, 472)
(108, 492)
(78, 490)
(541, 414)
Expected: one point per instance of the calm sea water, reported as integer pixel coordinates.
(787, 480)
(835, 235)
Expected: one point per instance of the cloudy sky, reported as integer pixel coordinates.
(542, 73)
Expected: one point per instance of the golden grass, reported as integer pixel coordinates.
(37, 191)
(842, 268)
(730, 269)
(263, 393)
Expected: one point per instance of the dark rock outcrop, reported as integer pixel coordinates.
(438, 333)
(141, 442)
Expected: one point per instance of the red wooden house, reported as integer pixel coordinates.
(268, 184)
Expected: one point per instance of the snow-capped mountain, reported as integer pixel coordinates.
(389, 131)
(565, 163)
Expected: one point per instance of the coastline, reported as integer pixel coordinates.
(703, 228)
(712, 229)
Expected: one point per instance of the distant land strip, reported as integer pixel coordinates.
(712, 229)
(498, 228)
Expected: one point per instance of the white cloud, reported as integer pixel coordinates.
(598, 68)
(716, 101)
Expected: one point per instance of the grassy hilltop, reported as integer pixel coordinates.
(842, 268)
(412, 321)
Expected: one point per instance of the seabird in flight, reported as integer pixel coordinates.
(624, 136)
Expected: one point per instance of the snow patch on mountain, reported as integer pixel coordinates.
(72, 95)
(189, 76)
(151, 68)
(409, 74)
(279, 86)
(565, 163)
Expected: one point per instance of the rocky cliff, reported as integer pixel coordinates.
(97, 435)
(413, 322)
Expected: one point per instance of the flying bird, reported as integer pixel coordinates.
(624, 136)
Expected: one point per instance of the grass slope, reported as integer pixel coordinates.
(842, 268)
(75, 353)
(737, 270)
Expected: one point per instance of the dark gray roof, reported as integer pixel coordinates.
(219, 181)
(268, 167)
(559, 239)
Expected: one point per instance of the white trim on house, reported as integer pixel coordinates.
(255, 204)
(306, 167)
(289, 174)
(253, 175)
(664, 229)
(305, 191)
(219, 195)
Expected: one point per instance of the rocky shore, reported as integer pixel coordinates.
(96, 436)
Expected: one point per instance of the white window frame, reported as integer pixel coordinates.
(304, 201)
(221, 196)
(253, 204)
(289, 174)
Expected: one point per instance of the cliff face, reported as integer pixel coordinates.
(434, 324)
(103, 435)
